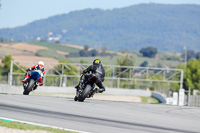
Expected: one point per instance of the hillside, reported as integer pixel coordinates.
(53, 52)
(167, 27)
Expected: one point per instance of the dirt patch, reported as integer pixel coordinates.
(27, 47)
(119, 53)
(10, 51)
(75, 46)
(28, 61)
(78, 47)
(4, 45)
(62, 53)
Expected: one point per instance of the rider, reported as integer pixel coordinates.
(96, 69)
(39, 66)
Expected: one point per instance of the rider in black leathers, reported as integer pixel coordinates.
(96, 69)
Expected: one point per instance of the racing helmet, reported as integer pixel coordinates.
(96, 62)
(41, 64)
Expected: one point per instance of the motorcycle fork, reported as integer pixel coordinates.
(94, 90)
(78, 92)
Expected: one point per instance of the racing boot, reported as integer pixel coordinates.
(101, 90)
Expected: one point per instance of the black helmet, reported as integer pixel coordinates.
(96, 62)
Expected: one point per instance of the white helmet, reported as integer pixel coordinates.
(41, 63)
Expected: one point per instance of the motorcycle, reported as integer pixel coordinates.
(32, 82)
(87, 88)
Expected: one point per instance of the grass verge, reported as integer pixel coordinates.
(23, 126)
(149, 100)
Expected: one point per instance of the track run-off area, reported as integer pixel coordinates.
(98, 116)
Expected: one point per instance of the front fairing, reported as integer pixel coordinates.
(35, 75)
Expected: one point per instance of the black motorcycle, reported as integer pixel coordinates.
(87, 88)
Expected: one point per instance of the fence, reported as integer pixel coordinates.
(194, 100)
(67, 74)
(3, 79)
(70, 80)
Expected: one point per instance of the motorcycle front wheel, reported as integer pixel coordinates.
(85, 93)
(30, 86)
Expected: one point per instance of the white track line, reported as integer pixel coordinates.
(42, 125)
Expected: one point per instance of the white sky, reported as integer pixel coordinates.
(20, 12)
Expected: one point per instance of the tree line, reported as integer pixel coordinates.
(190, 54)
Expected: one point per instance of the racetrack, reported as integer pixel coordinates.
(101, 116)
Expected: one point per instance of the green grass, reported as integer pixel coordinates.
(23, 126)
(55, 46)
(149, 100)
(106, 60)
(112, 60)
(50, 53)
(156, 62)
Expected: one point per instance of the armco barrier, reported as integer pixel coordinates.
(159, 97)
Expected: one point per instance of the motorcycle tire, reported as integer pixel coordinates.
(29, 88)
(85, 93)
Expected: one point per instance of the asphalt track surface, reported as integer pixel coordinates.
(96, 116)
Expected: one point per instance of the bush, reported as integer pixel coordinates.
(149, 52)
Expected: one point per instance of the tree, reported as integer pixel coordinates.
(83, 53)
(6, 61)
(2, 40)
(69, 70)
(93, 53)
(86, 47)
(125, 61)
(125, 72)
(144, 64)
(86, 53)
(197, 55)
(190, 54)
(1, 69)
(191, 75)
(149, 52)
(6, 64)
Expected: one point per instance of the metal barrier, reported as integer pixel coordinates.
(4, 79)
(194, 100)
(110, 82)
(116, 76)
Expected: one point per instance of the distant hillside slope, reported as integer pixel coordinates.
(167, 27)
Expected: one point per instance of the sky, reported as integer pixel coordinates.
(15, 13)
